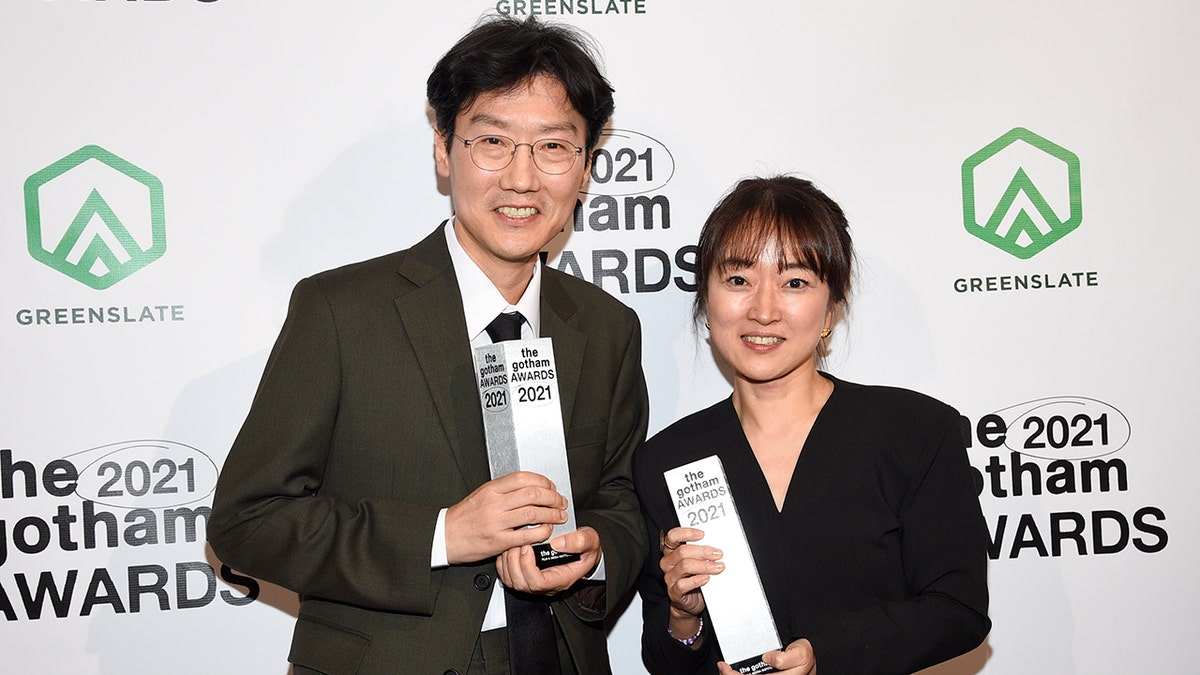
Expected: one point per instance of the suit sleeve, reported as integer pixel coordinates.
(270, 518)
(614, 512)
(945, 569)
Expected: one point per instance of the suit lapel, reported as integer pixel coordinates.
(432, 314)
(569, 344)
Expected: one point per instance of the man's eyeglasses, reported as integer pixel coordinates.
(491, 152)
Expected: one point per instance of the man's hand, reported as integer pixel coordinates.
(518, 568)
(489, 521)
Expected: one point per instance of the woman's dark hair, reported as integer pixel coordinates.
(504, 53)
(784, 214)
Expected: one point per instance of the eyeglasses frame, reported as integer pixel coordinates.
(532, 155)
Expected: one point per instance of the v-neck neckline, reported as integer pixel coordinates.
(805, 449)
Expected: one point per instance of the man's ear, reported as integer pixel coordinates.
(441, 154)
(587, 169)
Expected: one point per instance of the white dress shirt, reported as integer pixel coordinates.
(481, 304)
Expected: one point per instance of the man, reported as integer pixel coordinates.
(360, 478)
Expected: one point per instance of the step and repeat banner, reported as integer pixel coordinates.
(1020, 179)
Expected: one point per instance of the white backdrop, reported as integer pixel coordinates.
(243, 145)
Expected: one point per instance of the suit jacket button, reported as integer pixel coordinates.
(482, 581)
(450, 672)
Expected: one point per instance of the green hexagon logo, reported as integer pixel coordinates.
(1021, 193)
(72, 222)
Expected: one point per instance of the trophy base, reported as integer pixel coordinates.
(753, 666)
(548, 557)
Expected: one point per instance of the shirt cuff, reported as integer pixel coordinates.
(598, 573)
(438, 557)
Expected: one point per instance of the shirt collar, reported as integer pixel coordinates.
(481, 301)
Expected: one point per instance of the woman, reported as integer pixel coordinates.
(857, 501)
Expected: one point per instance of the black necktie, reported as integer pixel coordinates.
(506, 326)
(532, 646)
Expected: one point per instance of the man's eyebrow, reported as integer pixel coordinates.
(492, 120)
(485, 118)
(559, 127)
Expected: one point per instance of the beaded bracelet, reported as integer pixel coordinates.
(688, 642)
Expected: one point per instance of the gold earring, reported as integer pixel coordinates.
(826, 333)
(707, 326)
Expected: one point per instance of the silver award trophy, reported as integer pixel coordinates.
(522, 419)
(737, 606)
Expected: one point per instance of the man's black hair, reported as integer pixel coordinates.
(503, 53)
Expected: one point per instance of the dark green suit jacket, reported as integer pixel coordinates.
(367, 422)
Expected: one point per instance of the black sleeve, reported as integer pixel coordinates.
(661, 653)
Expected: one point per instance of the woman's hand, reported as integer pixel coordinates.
(797, 659)
(686, 567)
